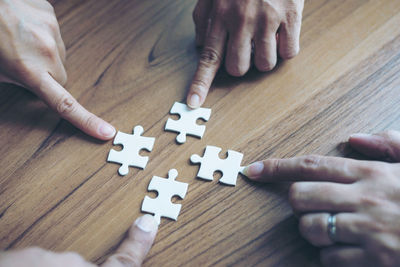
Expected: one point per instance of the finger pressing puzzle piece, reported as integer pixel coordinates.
(129, 155)
(186, 125)
(211, 162)
(161, 206)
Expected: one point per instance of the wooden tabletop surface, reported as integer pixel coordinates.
(128, 62)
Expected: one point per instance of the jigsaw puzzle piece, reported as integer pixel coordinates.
(231, 168)
(161, 206)
(186, 124)
(131, 146)
(211, 162)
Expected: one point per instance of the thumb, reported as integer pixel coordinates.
(135, 247)
(385, 145)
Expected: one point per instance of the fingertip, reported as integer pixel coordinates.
(194, 101)
(106, 131)
(363, 140)
(254, 170)
(146, 223)
(135, 247)
(359, 136)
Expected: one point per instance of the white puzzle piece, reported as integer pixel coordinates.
(211, 162)
(161, 206)
(129, 155)
(186, 125)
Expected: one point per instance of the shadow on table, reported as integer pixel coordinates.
(23, 111)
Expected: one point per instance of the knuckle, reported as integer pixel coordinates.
(90, 122)
(271, 20)
(66, 105)
(374, 226)
(244, 14)
(48, 47)
(210, 57)
(276, 167)
(308, 164)
(271, 16)
(293, 16)
(52, 24)
(199, 86)
(372, 170)
(370, 200)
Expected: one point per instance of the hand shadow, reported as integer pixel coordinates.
(345, 150)
(21, 110)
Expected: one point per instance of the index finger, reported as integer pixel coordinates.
(60, 100)
(209, 63)
(308, 168)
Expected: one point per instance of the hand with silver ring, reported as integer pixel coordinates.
(332, 227)
(350, 208)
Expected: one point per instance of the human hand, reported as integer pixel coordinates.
(234, 26)
(131, 252)
(32, 55)
(364, 196)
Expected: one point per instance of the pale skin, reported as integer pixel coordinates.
(364, 195)
(227, 29)
(32, 55)
(131, 252)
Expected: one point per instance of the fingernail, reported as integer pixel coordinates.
(254, 170)
(147, 223)
(194, 101)
(107, 130)
(360, 135)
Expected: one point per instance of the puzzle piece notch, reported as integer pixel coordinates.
(186, 124)
(211, 162)
(131, 146)
(161, 206)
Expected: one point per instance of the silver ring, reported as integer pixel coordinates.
(332, 227)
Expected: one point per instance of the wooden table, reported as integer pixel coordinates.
(128, 61)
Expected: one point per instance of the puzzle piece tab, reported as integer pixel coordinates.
(129, 155)
(186, 125)
(211, 162)
(161, 206)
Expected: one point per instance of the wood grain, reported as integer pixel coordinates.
(128, 61)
